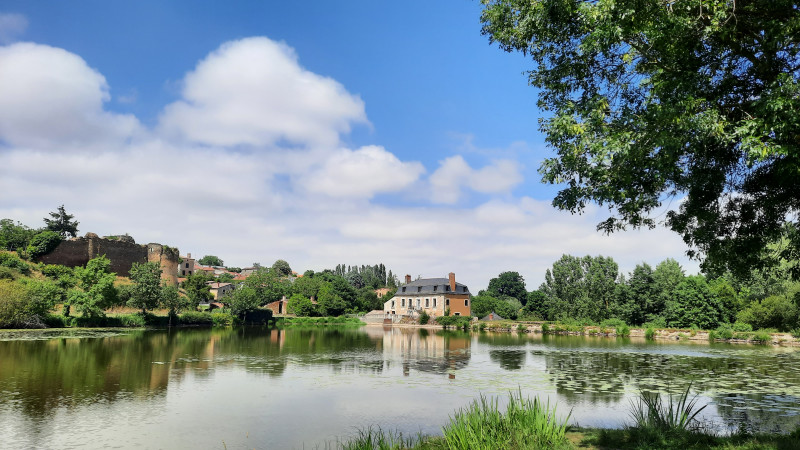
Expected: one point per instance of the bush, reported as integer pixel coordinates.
(762, 336)
(741, 326)
(7, 273)
(613, 323)
(12, 261)
(43, 243)
(649, 333)
(195, 318)
(221, 319)
(623, 330)
(131, 320)
(454, 321)
(545, 328)
(424, 318)
(521, 328)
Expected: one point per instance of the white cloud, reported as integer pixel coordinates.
(361, 173)
(11, 26)
(51, 99)
(454, 174)
(254, 92)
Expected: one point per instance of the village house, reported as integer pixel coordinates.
(187, 266)
(432, 295)
(220, 290)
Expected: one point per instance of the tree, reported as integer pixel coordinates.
(282, 268)
(693, 303)
(306, 286)
(654, 105)
(43, 243)
(330, 303)
(211, 260)
(244, 299)
(61, 223)
(173, 301)
(508, 284)
(300, 305)
(14, 237)
(196, 288)
(267, 285)
(146, 291)
(95, 290)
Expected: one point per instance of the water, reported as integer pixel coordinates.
(301, 388)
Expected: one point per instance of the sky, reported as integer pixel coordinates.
(317, 132)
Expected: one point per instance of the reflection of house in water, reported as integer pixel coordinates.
(419, 349)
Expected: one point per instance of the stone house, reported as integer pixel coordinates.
(187, 266)
(220, 290)
(432, 295)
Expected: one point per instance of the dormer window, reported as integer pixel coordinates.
(419, 288)
(404, 289)
(434, 288)
(447, 288)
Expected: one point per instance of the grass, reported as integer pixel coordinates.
(676, 414)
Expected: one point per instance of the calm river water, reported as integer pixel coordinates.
(301, 388)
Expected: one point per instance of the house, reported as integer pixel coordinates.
(381, 292)
(187, 266)
(432, 295)
(278, 307)
(220, 290)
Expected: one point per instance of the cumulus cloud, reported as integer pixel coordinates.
(454, 174)
(11, 26)
(361, 173)
(51, 99)
(254, 92)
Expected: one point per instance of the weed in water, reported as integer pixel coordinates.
(677, 414)
(649, 334)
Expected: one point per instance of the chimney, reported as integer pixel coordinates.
(188, 256)
(452, 281)
(408, 279)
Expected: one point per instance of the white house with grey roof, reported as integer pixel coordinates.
(432, 295)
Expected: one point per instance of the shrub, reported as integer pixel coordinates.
(424, 318)
(725, 333)
(649, 333)
(12, 261)
(623, 330)
(43, 243)
(521, 328)
(7, 273)
(741, 326)
(762, 336)
(454, 321)
(526, 423)
(221, 319)
(613, 323)
(131, 320)
(545, 328)
(678, 414)
(796, 333)
(482, 326)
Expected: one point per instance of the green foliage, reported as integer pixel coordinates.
(777, 311)
(61, 223)
(453, 321)
(174, 302)
(14, 237)
(623, 330)
(367, 300)
(146, 291)
(649, 334)
(652, 101)
(742, 327)
(580, 287)
(195, 318)
(7, 273)
(526, 424)
(211, 260)
(521, 328)
(693, 303)
(762, 336)
(306, 286)
(243, 300)
(483, 305)
(43, 243)
(196, 288)
(508, 284)
(267, 285)
(377, 439)
(220, 319)
(330, 303)
(281, 268)
(676, 414)
(300, 305)
(12, 261)
(23, 304)
(424, 318)
(326, 320)
(95, 291)
(545, 328)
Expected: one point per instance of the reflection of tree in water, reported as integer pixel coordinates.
(759, 412)
(504, 339)
(595, 377)
(508, 359)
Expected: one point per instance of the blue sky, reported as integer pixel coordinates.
(317, 132)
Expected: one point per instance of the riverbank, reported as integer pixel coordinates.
(661, 334)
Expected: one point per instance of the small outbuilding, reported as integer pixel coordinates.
(492, 317)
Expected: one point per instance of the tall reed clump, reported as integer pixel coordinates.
(374, 438)
(649, 334)
(678, 414)
(526, 424)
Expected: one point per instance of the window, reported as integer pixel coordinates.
(404, 289)
(418, 303)
(447, 302)
(465, 289)
(403, 302)
(447, 288)
(392, 303)
(187, 265)
(419, 288)
(458, 314)
(183, 272)
(434, 288)
(466, 302)
(434, 303)
(427, 303)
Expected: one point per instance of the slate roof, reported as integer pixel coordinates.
(426, 285)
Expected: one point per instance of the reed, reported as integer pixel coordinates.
(678, 413)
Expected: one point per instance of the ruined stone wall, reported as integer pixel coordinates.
(121, 253)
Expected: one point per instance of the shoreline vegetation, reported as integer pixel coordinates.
(663, 422)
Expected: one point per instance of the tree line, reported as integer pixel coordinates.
(592, 289)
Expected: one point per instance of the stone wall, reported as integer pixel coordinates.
(121, 253)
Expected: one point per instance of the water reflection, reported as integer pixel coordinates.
(44, 380)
